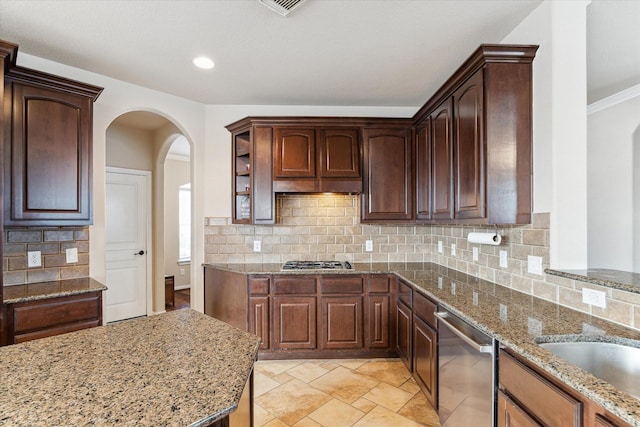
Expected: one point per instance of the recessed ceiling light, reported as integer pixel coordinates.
(203, 62)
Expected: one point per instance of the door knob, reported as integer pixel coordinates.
(139, 253)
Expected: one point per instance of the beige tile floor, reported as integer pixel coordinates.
(339, 393)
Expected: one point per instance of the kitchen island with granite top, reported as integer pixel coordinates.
(181, 368)
(517, 321)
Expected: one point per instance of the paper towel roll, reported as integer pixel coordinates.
(485, 238)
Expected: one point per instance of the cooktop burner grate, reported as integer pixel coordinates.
(312, 265)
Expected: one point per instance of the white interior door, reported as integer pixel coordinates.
(127, 232)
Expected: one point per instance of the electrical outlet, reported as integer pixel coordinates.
(475, 253)
(72, 255)
(453, 288)
(440, 249)
(534, 265)
(475, 298)
(257, 246)
(439, 282)
(503, 259)
(595, 298)
(453, 249)
(182, 272)
(34, 259)
(368, 245)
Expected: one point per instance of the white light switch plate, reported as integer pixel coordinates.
(440, 250)
(34, 259)
(72, 255)
(257, 246)
(475, 253)
(453, 249)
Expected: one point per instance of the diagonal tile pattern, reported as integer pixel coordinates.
(339, 393)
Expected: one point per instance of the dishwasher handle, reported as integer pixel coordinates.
(480, 347)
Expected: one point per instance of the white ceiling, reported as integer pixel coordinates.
(327, 52)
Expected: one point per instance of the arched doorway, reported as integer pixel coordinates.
(137, 143)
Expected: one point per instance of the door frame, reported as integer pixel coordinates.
(149, 224)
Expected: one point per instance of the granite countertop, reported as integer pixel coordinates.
(616, 279)
(56, 288)
(515, 319)
(179, 368)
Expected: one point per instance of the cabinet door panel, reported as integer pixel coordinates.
(295, 151)
(425, 360)
(49, 181)
(259, 320)
(442, 162)
(294, 322)
(342, 322)
(378, 321)
(403, 334)
(423, 172)
(511, 415)
(388, 171)
(339, 153)
(469, 150)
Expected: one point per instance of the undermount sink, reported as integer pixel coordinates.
(617, 364)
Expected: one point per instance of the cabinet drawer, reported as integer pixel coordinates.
(258, 285)
(49, 332)
(538, 395)
(405, 294)
(378, 284)
(424, 309)
(56, 311)
(341, 285)
(294, 285)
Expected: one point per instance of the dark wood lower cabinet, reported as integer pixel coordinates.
(378, 321)
(259, 320)
(294, 322)
(403, 333)
(31, 320)
(511, 415)
(530, 397)
(425, 358)
(342, 322)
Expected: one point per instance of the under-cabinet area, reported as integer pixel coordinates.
(347, 313)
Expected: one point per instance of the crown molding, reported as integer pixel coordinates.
(610, 101)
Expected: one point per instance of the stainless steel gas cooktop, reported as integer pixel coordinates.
(315, 265)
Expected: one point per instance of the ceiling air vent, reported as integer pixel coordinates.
(282, 7)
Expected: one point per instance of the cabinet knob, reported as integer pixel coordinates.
(139, 253)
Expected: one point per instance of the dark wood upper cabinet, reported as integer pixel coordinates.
(312, 156)
(423, 172)
(442, 166)
(253, 198)
(48, 149)
(388, 175)
(470, 161)
(469, 149)
(481, 139)
(339, 153)
(295, 153)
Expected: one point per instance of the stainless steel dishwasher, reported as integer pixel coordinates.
(467, 374)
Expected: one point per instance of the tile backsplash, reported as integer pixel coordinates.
(52, 242)
(327, 227)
